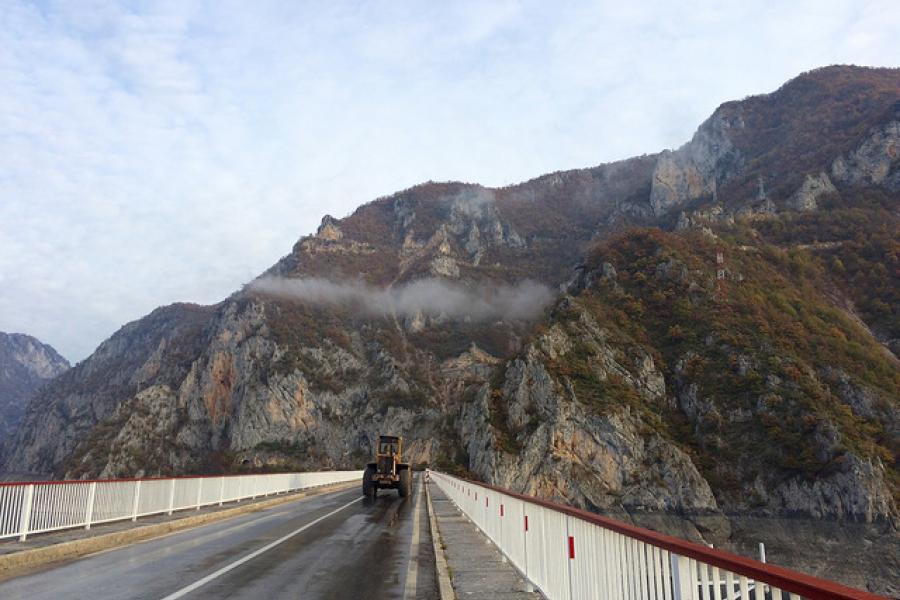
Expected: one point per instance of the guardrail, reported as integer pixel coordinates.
(36, 507)
(571, 554)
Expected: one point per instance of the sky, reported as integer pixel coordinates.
(156, 152)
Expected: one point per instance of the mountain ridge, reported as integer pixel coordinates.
(620, 396)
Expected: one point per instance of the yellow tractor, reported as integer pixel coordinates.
(387, 472)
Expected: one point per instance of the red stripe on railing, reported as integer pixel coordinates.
(501, 510)
(526, 522)
(795, 582)
(571, 547)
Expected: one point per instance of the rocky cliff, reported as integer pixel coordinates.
(659, 394)
(26, 364)
(690, 340)
(155, 351)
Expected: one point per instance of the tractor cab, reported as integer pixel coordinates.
(387, 471)
(388, 453)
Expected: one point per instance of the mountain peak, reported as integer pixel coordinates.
(38, 358)
(26, 364)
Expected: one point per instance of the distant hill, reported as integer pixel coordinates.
(752, 400)
(25, 365)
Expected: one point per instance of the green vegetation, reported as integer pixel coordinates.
(855, 244)
(412, 399)
(152, 454)
(498, 417)
(501, 339)
(290, 449)
(298, 325)
(759, 355)
(804, 125)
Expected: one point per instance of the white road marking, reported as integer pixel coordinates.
(412, 571)
(190, 542)
(187, 590)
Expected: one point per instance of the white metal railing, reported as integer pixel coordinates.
(36, 507)
(571, 554)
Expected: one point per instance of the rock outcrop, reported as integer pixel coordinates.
(696, 170)
(814, 187)
(876, 161)
(564, 448)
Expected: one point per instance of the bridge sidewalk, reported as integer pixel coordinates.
(477, 568)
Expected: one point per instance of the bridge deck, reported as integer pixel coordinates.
(330, 545)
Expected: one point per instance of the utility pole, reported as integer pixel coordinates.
(721, 289)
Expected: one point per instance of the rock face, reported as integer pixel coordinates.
(876, 161)
(813, 188)
(157, 350)
(696, 170)
(571, 453)
(329, 230)
(26, 364)
(657, 386)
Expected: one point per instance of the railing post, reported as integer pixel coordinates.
(89, 516)
(199, 491)
(528, 587)
(500, 531)
(762, 559)
(137, 498)
(570, 543)
(171, 496)
(26, 512)
(221, 490)
(681, 577)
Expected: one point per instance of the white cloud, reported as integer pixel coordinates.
(174, 151)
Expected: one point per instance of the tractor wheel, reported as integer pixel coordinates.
(368, 486)
(405, 483)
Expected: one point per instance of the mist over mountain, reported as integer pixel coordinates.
(424, 297)
(703, 340)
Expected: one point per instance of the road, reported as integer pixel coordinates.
(335, 545)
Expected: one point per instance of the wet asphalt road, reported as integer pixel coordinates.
(336, 545)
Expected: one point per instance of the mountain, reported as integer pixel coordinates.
(25, 365)
(704, 341)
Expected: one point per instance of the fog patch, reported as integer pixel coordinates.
(431, 297)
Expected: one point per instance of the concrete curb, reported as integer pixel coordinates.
(17, 563)
(440, 561)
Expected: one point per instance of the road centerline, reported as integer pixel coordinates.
(216, 574)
